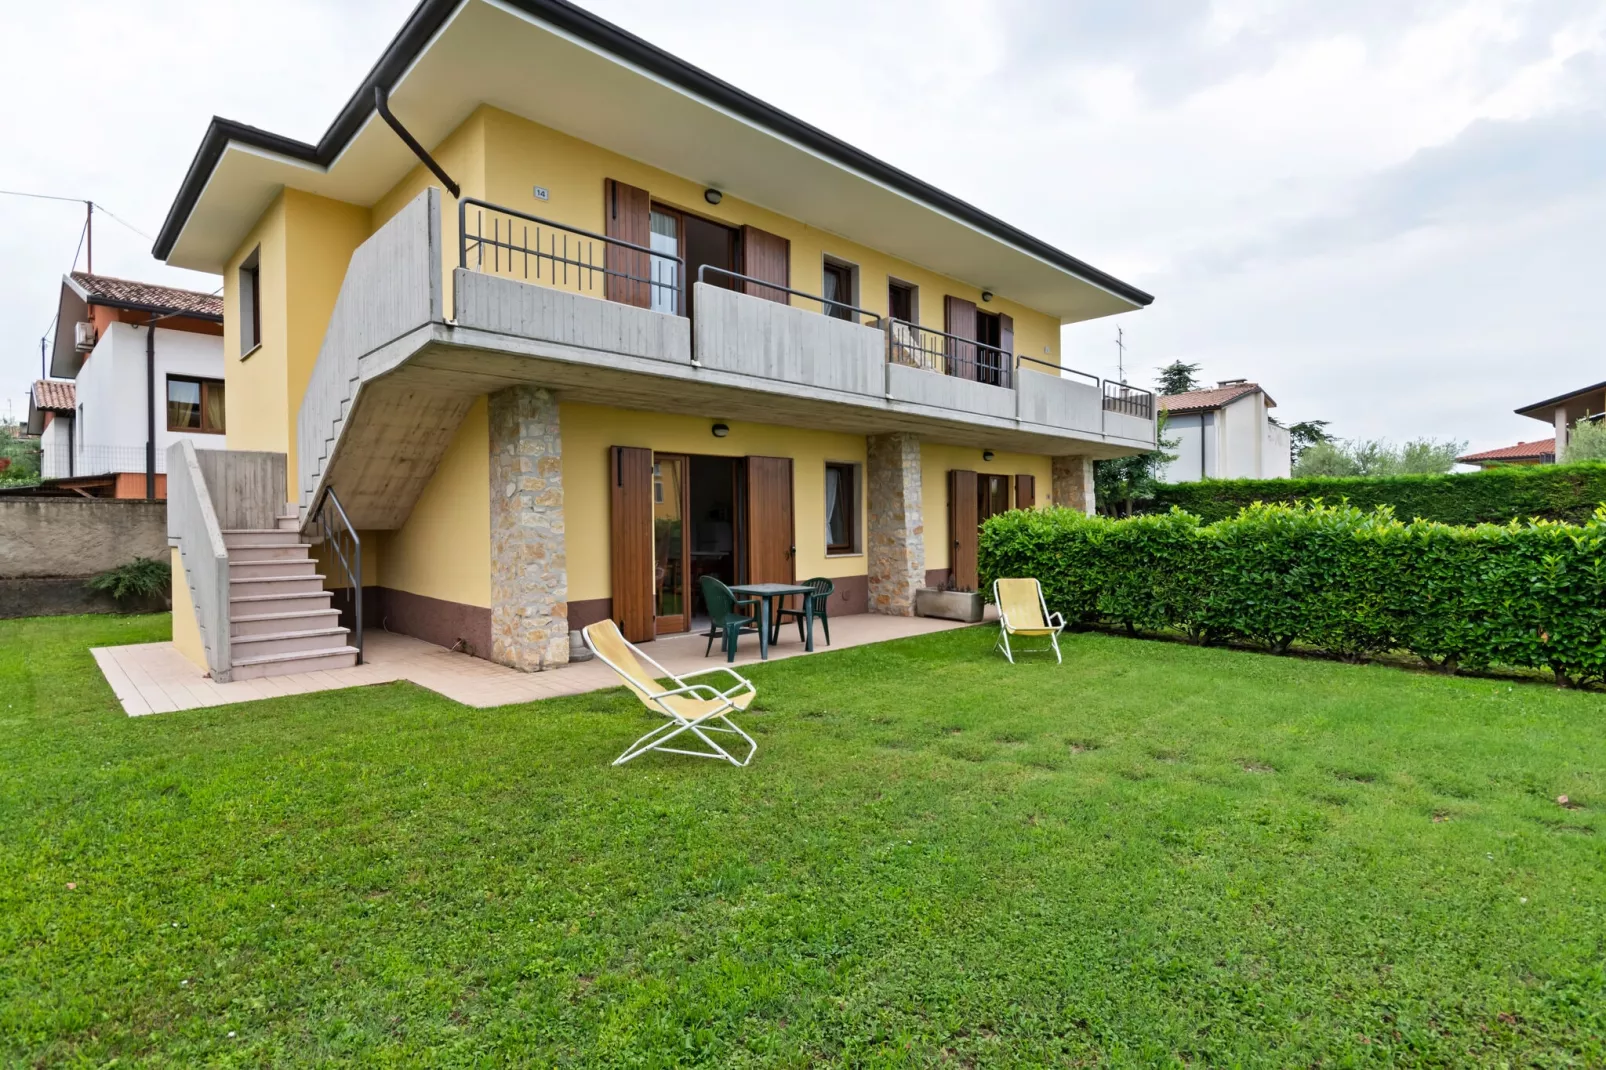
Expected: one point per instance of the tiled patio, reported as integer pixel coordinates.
(156, 678)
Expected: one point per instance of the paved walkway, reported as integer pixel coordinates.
(156, 678)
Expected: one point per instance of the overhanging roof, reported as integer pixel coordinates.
(558, 65)
(1545, 410)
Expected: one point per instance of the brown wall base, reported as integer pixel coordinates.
(430, 619)
(852, 596)
(937, 577)
(591, 611)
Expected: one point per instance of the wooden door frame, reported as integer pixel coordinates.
(685, 550)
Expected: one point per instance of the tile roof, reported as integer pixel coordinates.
(1522, 451)
(127, 293)
(53, 395)
(1204, 400)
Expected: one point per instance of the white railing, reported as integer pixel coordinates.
(56, 461)
(192, 526)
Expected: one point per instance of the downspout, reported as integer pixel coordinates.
(382, 106)
(150, 409)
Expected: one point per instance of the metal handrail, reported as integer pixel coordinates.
(950, 354)
(703, 268)
(480, 241)
(1131, 400)
(336, 538)
(1057, 367)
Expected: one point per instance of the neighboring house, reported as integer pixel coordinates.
(120, 395)
(665, 331)
(1224, 433)
(1541, 452)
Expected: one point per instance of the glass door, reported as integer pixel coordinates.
(671, 603)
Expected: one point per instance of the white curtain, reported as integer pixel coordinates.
(833, 509)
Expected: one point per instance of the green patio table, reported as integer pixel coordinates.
(767, 593)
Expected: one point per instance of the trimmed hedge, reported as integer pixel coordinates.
(1335, 578)
(1568, 492)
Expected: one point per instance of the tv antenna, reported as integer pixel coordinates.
(1120, 355)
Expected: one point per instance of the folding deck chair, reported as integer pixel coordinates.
(690, 707)
(1022, 611)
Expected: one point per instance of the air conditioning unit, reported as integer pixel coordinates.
(83, 337)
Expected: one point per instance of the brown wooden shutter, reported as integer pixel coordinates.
(962, 529)
(630, 473)
(769, 257)
(959, 318)
(628, 215)
(771, 546)
(1025, 492)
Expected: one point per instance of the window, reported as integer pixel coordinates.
(902, 301)
(838, 286)
(992, 496)
(665, 240)
(841, 508)
(250, 302)
(195, 405)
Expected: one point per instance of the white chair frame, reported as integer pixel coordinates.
(1052, 620)
(678, 723)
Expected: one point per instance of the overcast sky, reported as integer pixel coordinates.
(1390, 213)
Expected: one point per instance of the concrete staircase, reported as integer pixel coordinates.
(280, 619)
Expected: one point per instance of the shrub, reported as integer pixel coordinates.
(1335, 578)
(1568, 492)
(141, 580)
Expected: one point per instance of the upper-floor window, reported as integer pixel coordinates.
(251, 302)
(194, 404)
(839, 286)
(902, 301)
(665, 240)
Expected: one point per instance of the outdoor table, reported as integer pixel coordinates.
(767, 594)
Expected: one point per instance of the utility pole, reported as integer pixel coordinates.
(1120, 355)
(89, 234)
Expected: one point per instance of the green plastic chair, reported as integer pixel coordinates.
(724, 616)
(823, 590)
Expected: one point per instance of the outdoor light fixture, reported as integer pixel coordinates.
(713, 196)
(986, 455)
(721, 430)
(986, 296)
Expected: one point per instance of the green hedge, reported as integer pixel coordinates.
(1335, 578)
(1569, 492)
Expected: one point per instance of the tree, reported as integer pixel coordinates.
(1121, 481)
(1305, 434)
(1587, 442)
(1177, 378)
(1377, 457)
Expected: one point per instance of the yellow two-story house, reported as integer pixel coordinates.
(553, 324)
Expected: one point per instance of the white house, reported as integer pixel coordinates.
(146, 369)
(1224, 433)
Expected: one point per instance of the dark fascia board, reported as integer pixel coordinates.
(430, 15)
(1551, 403)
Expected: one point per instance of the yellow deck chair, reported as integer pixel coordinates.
(690, 707)
(1022, 611)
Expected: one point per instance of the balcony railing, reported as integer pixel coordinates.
(1046, 368)
(56, 461)
(915, 346)
(502, 241)
(763, 288)
(1128, 400)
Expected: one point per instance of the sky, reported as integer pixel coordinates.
(1389, 213)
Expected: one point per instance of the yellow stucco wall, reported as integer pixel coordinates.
(937, 460)
(255, 405)
(444, 549)
(186, 629)
(588, 431)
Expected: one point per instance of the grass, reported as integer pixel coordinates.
(1155, 854)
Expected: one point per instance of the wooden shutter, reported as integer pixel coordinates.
(962, 529)
(768, 257)
(959, 318)
(771, 546)
(630, 473)
(628, 214)
(1025, 492)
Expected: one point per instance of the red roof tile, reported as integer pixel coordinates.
(53, 395)
(1522, 451)
(145, 295)
(1205, 400)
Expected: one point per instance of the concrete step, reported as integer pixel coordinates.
(260, 537)
(268, 621)
(252, 605)
(310, 583)
(282, 568)
(246, 647)
(249, 555)
(289, 520)
(334, 657)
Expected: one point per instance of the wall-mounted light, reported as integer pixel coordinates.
(721, 430)
(986, 297)
(713, 196)
(986, 455)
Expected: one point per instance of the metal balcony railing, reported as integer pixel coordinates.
(1128, 400)
(761, 288)
(56, 461)
(965, 358)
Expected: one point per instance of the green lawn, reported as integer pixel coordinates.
(1153, 854)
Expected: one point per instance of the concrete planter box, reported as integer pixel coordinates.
(963, 606)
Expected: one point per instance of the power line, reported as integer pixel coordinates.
(42, 196)
(107, 211)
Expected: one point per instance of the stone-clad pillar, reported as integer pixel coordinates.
(1073, 483)
(897, 531)
(529, 567)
